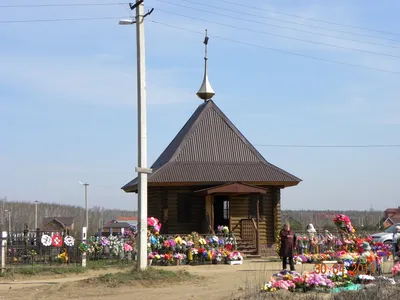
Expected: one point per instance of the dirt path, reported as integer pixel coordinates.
(215, 282)
(22, 282)
(219, 282)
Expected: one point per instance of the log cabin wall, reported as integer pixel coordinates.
(154, 202)
(163, 203)
(277, 209)
(240, 208)
(273, 205)
(268, 218)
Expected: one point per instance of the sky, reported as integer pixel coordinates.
(68, 94)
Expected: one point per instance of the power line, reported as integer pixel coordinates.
(277, 20)
(237, 18)
(218, 37)
(289, 28)
(62, 5)
(224, 1)
(308, 18)
(301, 30)
(279, 35)
(329, 146)
(277, 50)
(59, 20)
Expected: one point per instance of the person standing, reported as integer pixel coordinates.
(288, 243)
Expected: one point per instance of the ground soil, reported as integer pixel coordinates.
(217, 282)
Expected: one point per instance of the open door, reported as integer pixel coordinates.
(221, 211)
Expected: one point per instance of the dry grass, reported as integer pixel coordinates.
(378, 291)
(43, 270)
(252, 290)
(151, 274)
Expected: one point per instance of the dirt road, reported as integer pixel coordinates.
(217, 282)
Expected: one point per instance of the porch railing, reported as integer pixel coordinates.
(249, 232)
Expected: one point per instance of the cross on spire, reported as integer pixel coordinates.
(205, 92)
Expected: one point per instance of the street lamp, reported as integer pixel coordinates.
(9, 220)
(126, 22)
(86, 205)
(36, 225)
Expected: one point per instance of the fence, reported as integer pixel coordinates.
(26, 247)
(52, 248)
(323, 242)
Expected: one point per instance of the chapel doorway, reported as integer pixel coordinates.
(221, 210)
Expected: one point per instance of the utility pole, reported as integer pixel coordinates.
(141, 169)
(2, 213)
(36, 224)
(86, 206)
(9, 220)
(142, 136)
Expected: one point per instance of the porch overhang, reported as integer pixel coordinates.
(233, 188)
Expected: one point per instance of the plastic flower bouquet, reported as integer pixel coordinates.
(116, 245)
(317, 280)
(235, 256)
(396, 269)
(381, 249)
(344, 223)
(179, 256)
(83, 247)
(284, 280)
(365, 279)
(213, 241)
(154, 225)
(284, 284)
(96, 243)
(305, 241)
(223, 229)
(104, 241)
(128, 248)
(130, 236)
(63, 257)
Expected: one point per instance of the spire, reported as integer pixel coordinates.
(205, 92)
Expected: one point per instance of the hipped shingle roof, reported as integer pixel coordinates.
(210, 149)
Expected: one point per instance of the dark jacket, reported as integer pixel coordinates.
(288, 243)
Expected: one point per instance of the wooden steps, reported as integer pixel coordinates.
(253, 256)
(248, 248)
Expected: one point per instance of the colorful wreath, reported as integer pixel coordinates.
(69, 241)
(57, 241)
(83, 247)
(46, 240)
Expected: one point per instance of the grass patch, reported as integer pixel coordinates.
(46, 270)
(150, 274)
(107, 263)
(43, 270)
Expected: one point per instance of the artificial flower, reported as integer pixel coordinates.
(46, 240)
(69, 241)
